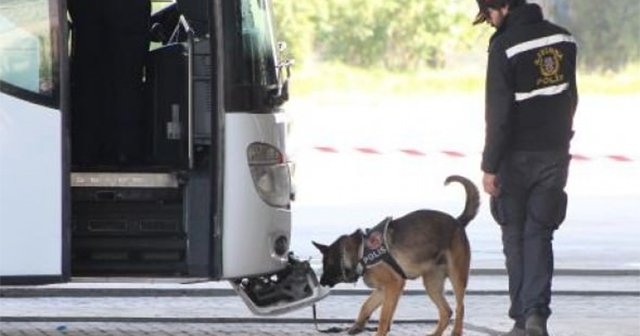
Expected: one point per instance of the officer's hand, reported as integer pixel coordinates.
(490, 184)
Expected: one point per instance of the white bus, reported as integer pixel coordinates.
(147, 145)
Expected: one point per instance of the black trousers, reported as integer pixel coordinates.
(531, 205)
(110, 44)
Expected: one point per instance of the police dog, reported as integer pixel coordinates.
(424, 243)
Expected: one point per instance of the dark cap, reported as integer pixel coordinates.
(483, 5)
(480, 17)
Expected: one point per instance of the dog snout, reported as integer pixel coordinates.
(325, 281)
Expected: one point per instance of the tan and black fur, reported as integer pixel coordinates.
(425, 243)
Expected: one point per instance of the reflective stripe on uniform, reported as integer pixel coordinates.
(538, 43)
(547, 91)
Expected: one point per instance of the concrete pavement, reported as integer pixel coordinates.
(482, 282)
(605, 303)
(485, 315)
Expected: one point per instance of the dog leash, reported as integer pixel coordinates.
(332, 330)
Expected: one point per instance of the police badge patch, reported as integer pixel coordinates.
(374, 241)
(375, 248)
(549, 61)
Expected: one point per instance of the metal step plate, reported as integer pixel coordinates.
(124, 180)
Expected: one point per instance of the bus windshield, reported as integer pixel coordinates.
(26, 62)
(251, 54)
(257, 43)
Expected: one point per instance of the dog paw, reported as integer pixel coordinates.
(355, 329)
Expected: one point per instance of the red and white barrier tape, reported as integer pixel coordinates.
(458, 154)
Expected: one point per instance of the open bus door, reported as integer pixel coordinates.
(33, 147)
(198, 185)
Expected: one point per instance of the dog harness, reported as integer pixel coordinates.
(374, 249)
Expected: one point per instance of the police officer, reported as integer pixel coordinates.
(530, 101)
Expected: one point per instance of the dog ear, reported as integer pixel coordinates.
(323, 248)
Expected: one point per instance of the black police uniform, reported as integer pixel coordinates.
(531, 97)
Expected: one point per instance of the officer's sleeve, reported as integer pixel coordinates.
(574, 87)
(499, 97)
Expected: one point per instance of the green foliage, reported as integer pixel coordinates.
(295, 24)
(400, 34)
(413, 34)
(607, 32)
(356, 36)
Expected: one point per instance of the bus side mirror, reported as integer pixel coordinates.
(284, 73)
(282, 46)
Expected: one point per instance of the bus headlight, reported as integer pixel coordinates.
(270, 173)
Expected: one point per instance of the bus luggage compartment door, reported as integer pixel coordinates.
(125, 229)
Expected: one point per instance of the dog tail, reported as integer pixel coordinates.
(473, 198)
